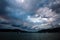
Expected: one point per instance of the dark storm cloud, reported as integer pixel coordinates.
(5, 21)
(10, 11)
(56, 8)
(3, 4)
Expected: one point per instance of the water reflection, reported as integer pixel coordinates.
(38, 36)
(29, 36)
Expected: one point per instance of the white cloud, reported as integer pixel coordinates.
(45, 17)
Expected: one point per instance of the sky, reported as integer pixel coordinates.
(31, 15)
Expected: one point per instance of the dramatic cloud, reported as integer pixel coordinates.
(43, 18)
(29, 15)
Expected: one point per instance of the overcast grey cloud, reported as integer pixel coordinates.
(29, 15)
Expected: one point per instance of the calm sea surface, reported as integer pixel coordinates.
(29, 36)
